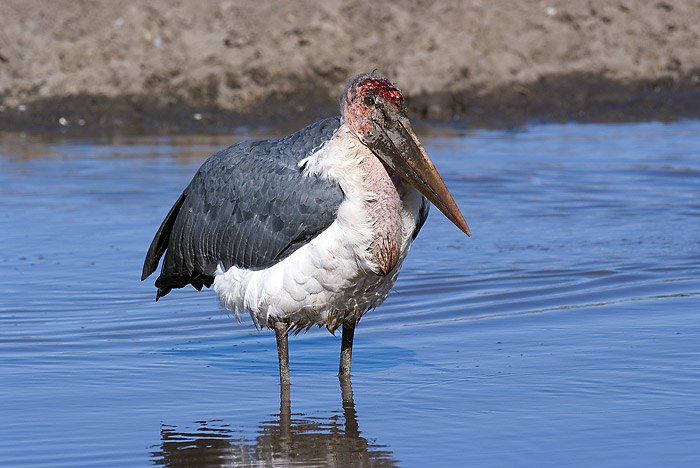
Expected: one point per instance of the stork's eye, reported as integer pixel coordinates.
(369, 101)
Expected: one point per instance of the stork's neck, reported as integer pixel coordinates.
(369, 184)
(383, 211)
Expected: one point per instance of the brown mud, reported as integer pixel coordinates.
(165, 66)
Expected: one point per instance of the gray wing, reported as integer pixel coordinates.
(249, 205)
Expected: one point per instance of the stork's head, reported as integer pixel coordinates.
(374, 110)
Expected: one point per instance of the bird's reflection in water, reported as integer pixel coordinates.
(286, 439)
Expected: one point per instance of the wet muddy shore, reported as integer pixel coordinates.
(160, 67)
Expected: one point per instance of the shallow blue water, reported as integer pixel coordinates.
(566, 331)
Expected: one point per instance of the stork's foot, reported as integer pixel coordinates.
(346, 348)
(282, 335)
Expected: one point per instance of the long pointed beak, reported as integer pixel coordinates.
(400, 148)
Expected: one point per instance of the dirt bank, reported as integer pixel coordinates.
(166, 65)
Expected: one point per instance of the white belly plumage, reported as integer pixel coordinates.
(335, 277)
(322, 283)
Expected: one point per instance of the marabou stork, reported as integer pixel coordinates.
(309, 229)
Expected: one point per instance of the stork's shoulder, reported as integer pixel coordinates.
(254, 174)
(284, 152)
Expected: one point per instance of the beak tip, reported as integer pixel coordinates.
(458, 220)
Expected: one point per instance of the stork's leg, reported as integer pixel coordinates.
(351, 427)
(281, 330)
(285, 412)
(346, 348)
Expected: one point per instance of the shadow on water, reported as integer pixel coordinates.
(286, 438)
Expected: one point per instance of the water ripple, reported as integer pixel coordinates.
(565, 329)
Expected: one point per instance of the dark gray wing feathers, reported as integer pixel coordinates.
(249, 205)
(160, 241)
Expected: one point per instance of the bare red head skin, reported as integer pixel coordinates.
(366, 99)
(375, 111)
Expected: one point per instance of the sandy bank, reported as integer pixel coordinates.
(166, 65)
